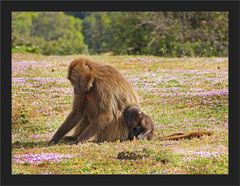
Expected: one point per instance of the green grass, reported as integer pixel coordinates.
(180, 94)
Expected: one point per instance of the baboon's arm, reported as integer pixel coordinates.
(143, 135)
(72, 119)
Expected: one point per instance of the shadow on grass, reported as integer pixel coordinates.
(27, 144)
(65, 141)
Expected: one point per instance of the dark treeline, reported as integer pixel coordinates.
(170, 34)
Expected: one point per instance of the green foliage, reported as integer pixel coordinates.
(168, 34)
(47, 33)
(23, 118)
(96, 31)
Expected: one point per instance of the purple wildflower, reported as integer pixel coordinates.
(197, 93)
(19, 80)
(35, 136)
(165, 171)
(21, 66)
(39, 158)
(206, 154)
(142, 60)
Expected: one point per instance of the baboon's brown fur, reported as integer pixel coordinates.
(101, 94)
(139, 124)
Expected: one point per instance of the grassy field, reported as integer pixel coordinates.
(180, 94)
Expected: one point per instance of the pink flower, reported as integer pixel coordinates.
(39, 158)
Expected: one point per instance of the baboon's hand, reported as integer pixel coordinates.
(75, 142)
(141, 136)
(51, 142)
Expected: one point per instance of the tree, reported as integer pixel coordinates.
(52, 32)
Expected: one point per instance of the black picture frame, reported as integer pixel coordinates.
(90, 5)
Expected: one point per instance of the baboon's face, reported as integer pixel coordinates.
(136, 119)
(77, 82)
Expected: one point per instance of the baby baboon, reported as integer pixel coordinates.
(139, 124)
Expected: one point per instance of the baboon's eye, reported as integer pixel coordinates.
(134, 129)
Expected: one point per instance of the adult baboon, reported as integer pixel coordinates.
(139, 124)
(101, 94)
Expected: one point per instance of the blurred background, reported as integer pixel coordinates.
(166, 34)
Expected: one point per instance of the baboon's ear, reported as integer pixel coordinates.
(140, 114)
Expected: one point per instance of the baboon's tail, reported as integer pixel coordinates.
(189, 135)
